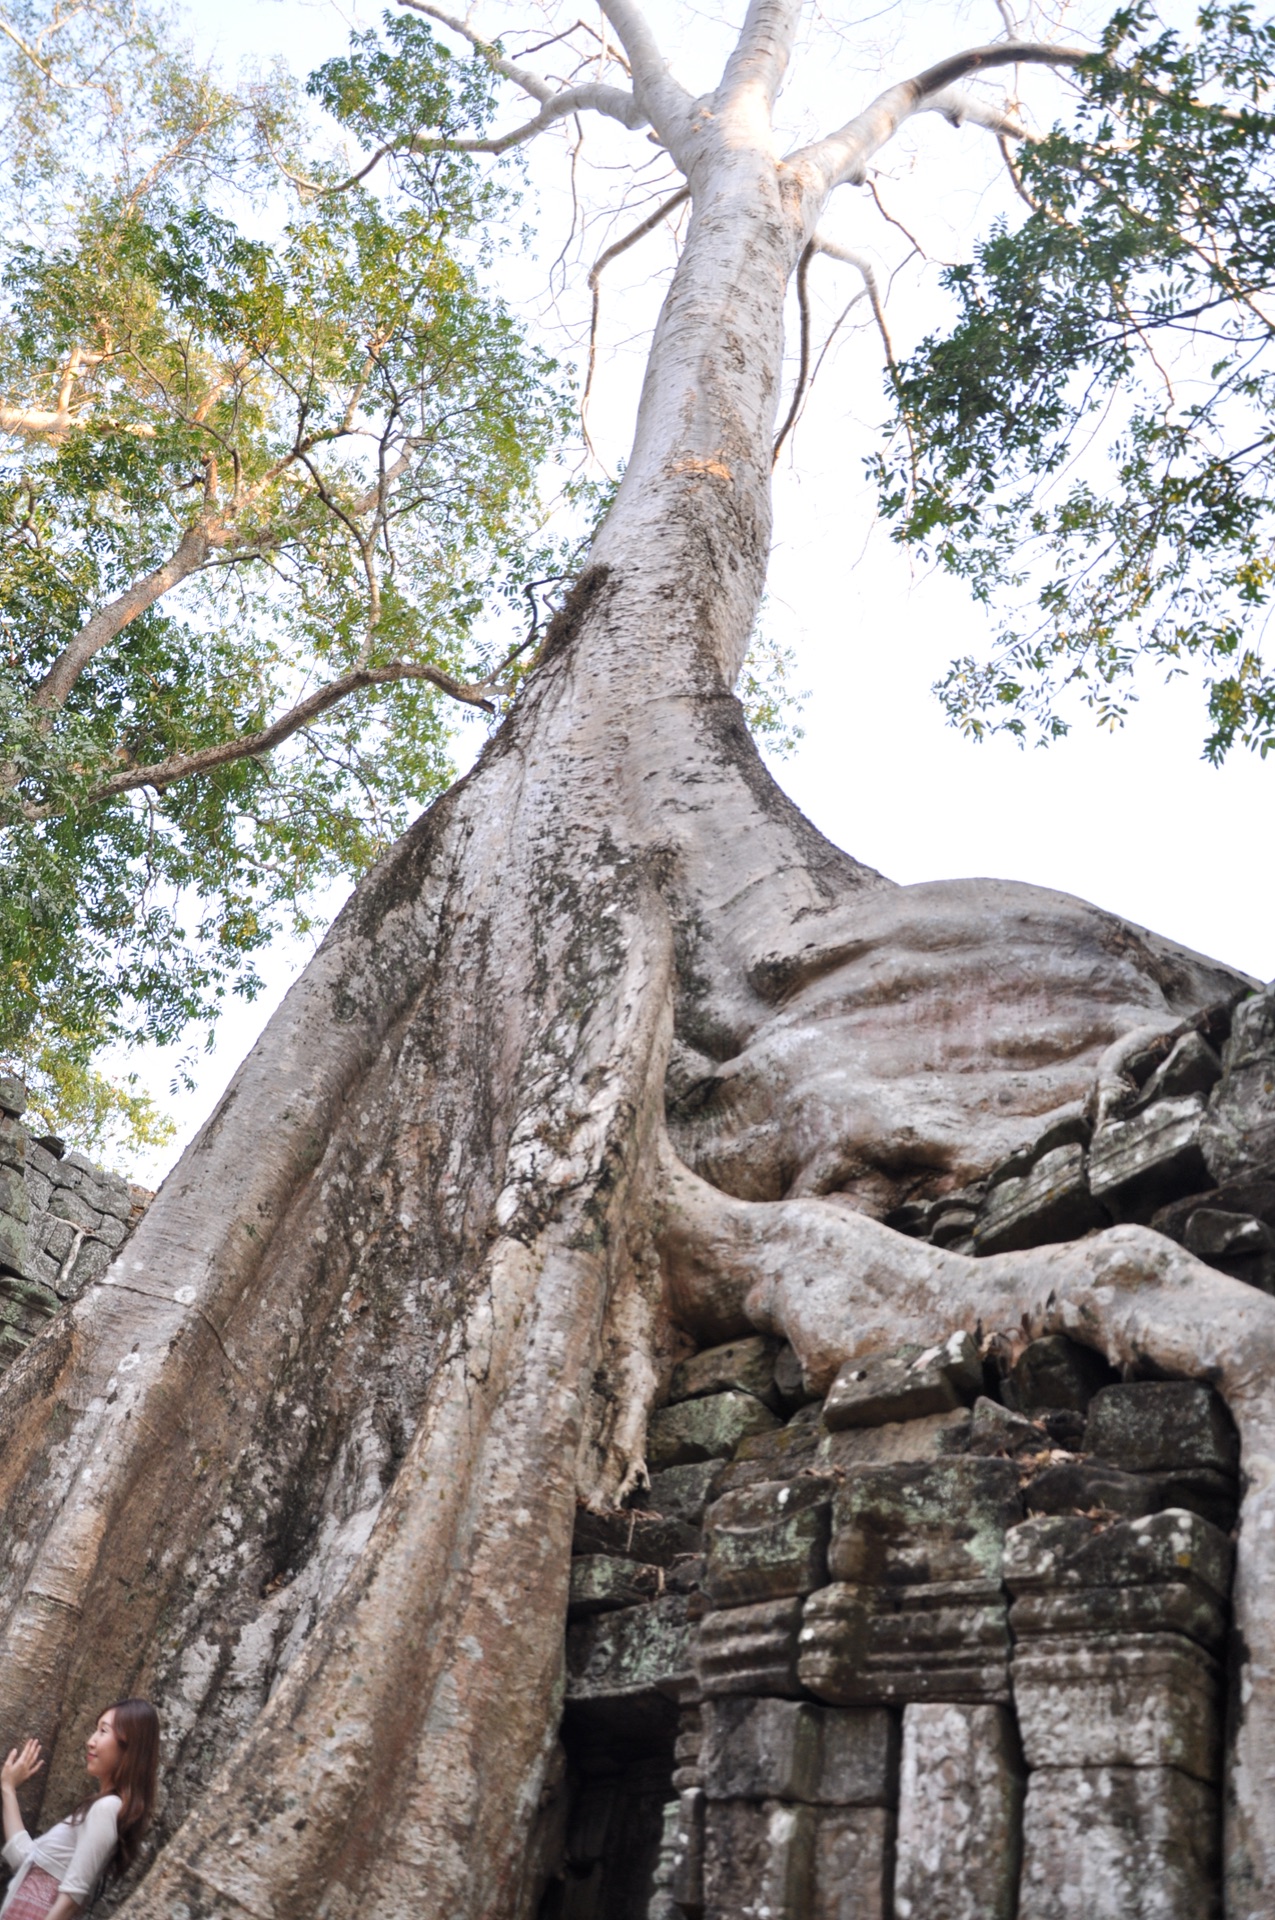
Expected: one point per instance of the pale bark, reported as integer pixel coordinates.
(304, 1465)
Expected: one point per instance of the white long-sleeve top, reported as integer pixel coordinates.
(76, 1853)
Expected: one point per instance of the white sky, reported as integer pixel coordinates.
(1134, 821)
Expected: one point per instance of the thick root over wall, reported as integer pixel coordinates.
(612, 1042)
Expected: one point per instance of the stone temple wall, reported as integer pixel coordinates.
(62, 1221)
(951, 1643)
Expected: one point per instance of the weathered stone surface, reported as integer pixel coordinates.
(960, 1799)
(13, 1095)
(1182, 1606)
(14, 1199)
(904, 1386)
(1238, 1244)
(14, 1246)
(790, 1382)
(945, 1642)
(1135, 1165)
(760, 1749)
(706, 1429)
(1119, 1843)
(758, 1860)
(682, 1493)
(745, 1365)
(1192, 1067)
(635, 1651)
(1153, 1424)
(767, 1541)
(749, 1649)
(686, 1883)
(853, 1862)
(1079, 1486)
(633, 1533)
(778, 1454)
(1137, 1700)
(1238, 1135)
(600, 1582)
(1056, 1372)
(939, 1436)
(938, 1521)
(995, 1429)
(858, 1757)
(1075, 1551)
(1050, 1202)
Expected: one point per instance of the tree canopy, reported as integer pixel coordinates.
(1088, 445)
(268, 460)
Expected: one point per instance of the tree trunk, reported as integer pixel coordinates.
(304, 1466)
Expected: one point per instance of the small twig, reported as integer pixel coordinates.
(604, 259)
(803, 362)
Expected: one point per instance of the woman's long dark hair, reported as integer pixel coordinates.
(136, 1726)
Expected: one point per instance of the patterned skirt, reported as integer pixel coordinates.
(34, 1897)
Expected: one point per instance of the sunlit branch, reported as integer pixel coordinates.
(162, 773)
(843, 156)
(604, 258)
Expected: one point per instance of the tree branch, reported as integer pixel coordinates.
(843, 156)
(803, 359)
(181, 766)
(761, 54)
(604, 259)
(664, 101)
(53, 691)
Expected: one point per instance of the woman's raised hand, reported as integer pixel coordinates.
(21, 1764)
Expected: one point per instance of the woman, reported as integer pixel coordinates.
(56, 1876)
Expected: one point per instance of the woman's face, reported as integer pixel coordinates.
(104, 1751)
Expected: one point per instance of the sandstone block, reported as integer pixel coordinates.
(1119, 1843)
(1078, 1486)
(1056, 1372)
(13, 1095)
(858, 1757)
(960, 1801)
(705, 1429)
(1137, 1700)
(945, 1642)
(1152, 1424)
(1075, 1551)
(1048, 1203)
(1183, 1607)
(750, 1649)
(904, 1386)
(938, 1436)
(998, 1430)
(73, 1207)
(760, 1749)
(1192, 1067)
(853, 1860)
(758, 1860)
(631, 1533)
(1238, 1135)
(637, 1650)
(14, 1198)
(744, 1365)
(686, 1883)
(922, 1523)
(767, 1541)
(14, 1250)
(600, 1583)
(790, 1383)
(1136, 1164)
(682, 1493)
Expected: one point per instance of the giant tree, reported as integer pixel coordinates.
(610, 1042)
